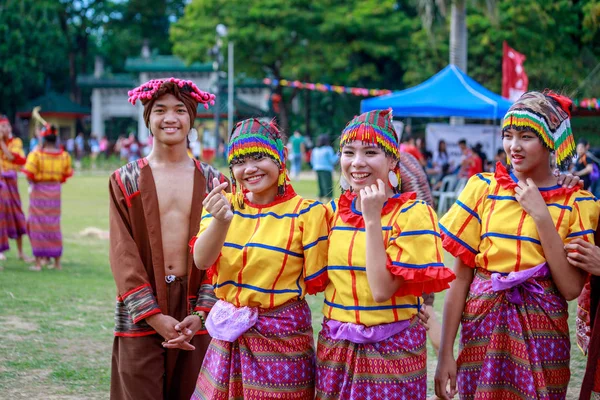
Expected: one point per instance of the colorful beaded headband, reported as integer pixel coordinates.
(251, 137)
(548, 116)
(149, 89)
(373, 127)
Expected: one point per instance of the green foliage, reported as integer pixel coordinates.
(31, 50)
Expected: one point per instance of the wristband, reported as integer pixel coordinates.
(203, 327)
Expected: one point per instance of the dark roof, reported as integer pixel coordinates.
(242, 109)
(54, 103)
(164, 64)
(108, 81)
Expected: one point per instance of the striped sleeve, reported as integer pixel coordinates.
(461, 226)
(583, 220)
(415, 252)
(315, 230)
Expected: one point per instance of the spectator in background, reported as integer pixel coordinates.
(297, 147)
(478, 149)
(323, 158)
(70, 146)
(134, 150)
(583, 167)
(94, 149)
(470, 163)
(79, 149)
(104, 146)
(441, 162)
(500, 158)
(408, 146)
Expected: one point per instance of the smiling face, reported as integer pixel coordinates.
(257, 174)
(169, 120)
(362, 164)
(525, 151)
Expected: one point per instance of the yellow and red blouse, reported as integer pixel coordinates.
(487, 227)
(45, 166)
(272, 253)
(15, 147)
(414, 249)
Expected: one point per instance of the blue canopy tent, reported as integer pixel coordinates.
(449, 93)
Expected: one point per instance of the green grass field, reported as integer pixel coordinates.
(56, 326)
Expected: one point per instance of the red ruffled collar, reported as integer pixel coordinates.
(509, 181)
(289, 193)
(350, 215)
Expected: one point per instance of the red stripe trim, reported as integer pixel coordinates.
(205, 309)
(244, 261)
(487, 228)
(18, 159)
(146, 315)
(286, 256)
(126, 294)
(353, 275)
(435, 238)
(29, 175)
(519, 231)
(333, 301)
(562, 212)
(141, 334)
(204, 332)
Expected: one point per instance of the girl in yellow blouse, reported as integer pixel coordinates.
(12, 159)
(266, 248)
(507, 231)
(46, 169)
(384, 253)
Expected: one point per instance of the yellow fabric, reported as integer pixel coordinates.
(268, 252)
(42, 166)
(412, 239)
(14, 146)
(487, 223)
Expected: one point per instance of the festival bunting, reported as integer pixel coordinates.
(323, 87)
(590, 104)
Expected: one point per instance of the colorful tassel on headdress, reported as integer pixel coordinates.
(373, 127)
(252, 137)
(547, 115)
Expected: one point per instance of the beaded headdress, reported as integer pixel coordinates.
(186, 91)
(250, 138)
(374, 128)
(548, 116)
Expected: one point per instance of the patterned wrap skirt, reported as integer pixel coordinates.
(393, 368)
(43, 223)
(3, 218)
(16, 225)
(274, 359)
(514, 343)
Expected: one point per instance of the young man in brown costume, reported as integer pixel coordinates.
(155, 208)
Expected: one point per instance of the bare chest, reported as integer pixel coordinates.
(174, 191)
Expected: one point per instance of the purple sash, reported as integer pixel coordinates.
(361, 334)
(228, 322)
(522, 279)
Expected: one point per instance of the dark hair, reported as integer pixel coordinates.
(462, 141)
(500, 151)
(440, 147)
(323, 140)
(583, 142)
(51, 139)
(407, 137)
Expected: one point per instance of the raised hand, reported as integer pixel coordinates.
(216, 203)
(584, 255)
(372, 199)
(531, 200)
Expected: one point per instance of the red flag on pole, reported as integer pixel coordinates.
(514, 78)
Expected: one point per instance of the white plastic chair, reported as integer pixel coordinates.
(448, 183)
(449, 197)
